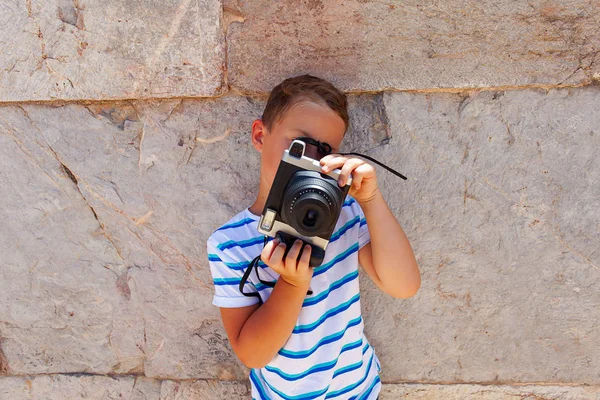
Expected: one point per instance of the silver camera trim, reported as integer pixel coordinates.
(310, 163)
(279, 226)
(305, 163)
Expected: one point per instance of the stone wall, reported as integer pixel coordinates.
(124, 142)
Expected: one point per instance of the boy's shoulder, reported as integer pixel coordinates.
(237, 227)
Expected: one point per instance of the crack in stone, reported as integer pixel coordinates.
(74, 179)
(72, 14)
(4, 369)
(215, 139)
(186, 261)
(21, 147)
(382, 110)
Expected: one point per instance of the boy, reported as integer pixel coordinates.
(299, 345)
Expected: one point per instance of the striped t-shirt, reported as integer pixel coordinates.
(327, 355)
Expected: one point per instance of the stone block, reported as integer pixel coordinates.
(376, 45)
(74, 50)
(501, 207)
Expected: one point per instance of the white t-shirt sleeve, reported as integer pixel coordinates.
(227, 274)
(363, 231)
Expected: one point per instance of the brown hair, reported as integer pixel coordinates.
(303, 88)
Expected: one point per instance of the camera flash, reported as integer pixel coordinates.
(267, 221)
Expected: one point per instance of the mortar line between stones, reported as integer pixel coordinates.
(426, 383)
(234, 91)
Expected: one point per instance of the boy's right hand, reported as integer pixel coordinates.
(295, 271)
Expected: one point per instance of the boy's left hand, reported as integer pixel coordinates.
(364, 181)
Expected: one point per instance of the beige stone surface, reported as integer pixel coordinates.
(79, 49)
(502, 208)
(67, 387)
(413, 45)
(106, 209)
(71, 387)
(492, 392)
(109, 207)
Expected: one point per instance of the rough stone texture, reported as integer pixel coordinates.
(67, 387)
(90, 387)
(377, 45)
(79, 49)
(106, 208)
(502, 207)
(492, 392)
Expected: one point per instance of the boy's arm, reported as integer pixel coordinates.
(388, 259)
(258, 332)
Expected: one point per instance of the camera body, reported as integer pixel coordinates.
(303, 203)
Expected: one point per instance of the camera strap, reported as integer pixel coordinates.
(254, 265)
(324, 149)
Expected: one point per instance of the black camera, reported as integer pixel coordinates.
(304, 203)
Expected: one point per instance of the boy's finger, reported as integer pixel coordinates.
(348, 167)
(359, 174)
(333, 163)
(305, 257)
(292, 256)
(328, 157)
(357, 179)
(277, 255)
(267, 251)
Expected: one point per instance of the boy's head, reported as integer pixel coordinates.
(304, 88)
(299, 106)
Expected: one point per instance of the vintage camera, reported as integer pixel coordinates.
(303, 203)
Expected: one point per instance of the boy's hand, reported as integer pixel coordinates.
(294, 271)
(364, 181)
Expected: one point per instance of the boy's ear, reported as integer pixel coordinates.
(259, 131)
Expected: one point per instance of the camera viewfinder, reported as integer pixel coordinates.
(297, 149)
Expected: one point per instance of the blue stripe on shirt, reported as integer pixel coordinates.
(237, 224)
(240, 266)
(257, 385)
(236, 281)
(324, 267)
(349, 202)
(334, 311)
(306, 396)
(348, 225)
(242, 243)
(326, 340)
(354, 385)
(368, 392)
(335, 285)
(317, 368)
(347, 368)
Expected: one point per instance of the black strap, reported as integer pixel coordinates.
(325, 149)
(376, 162)
(245, 279)
(254, 265)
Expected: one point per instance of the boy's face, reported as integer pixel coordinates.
(304, 119)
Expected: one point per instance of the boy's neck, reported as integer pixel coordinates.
(257, 207)
(259, 204)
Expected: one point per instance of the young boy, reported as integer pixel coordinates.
(299, 345)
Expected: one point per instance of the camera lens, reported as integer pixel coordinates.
(310, 218)
(311, 203)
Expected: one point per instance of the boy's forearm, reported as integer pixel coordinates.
(392, 254)
(269, 327)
